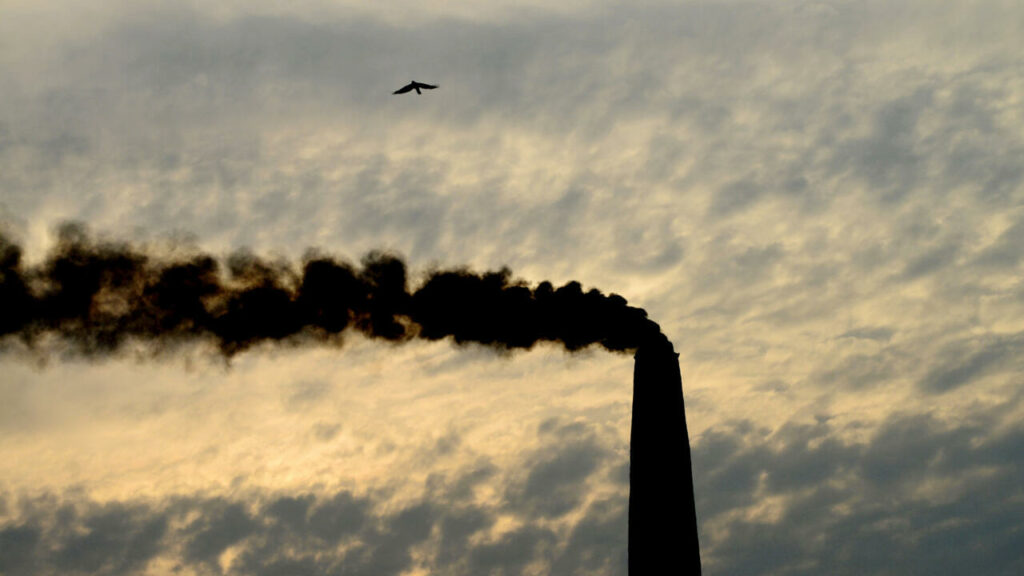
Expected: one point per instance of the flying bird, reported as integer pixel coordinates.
(414, 85)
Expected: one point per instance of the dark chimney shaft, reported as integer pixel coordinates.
(662, 513)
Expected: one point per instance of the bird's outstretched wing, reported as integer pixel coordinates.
(414, 85)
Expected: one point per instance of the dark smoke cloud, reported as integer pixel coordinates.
(97, 296)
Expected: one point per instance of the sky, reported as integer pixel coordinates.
(819, 203)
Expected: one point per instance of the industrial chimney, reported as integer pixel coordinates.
(662, 513)
(99, 296)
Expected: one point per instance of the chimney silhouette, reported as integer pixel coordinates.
(94, 297)
(662, 512)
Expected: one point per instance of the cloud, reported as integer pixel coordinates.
(970, 359)
(917, 493)
(275, 534)
(20, 545)
(1003, 254)
(819, 199)
(887, 158)
(734, 197)
(512, 553)
(445, 530)
(555, 484)
(51, 538)
(863, 371)
(881, 334)
(209, 536)
(802, 500)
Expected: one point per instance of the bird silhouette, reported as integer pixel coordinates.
(414, 85)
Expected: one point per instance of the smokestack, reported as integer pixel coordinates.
(94, 297)
(662, 512)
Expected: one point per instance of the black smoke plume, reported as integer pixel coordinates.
(96, 296)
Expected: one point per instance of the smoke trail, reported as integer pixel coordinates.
(97, 296)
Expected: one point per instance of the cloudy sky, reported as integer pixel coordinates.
(821, 202)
